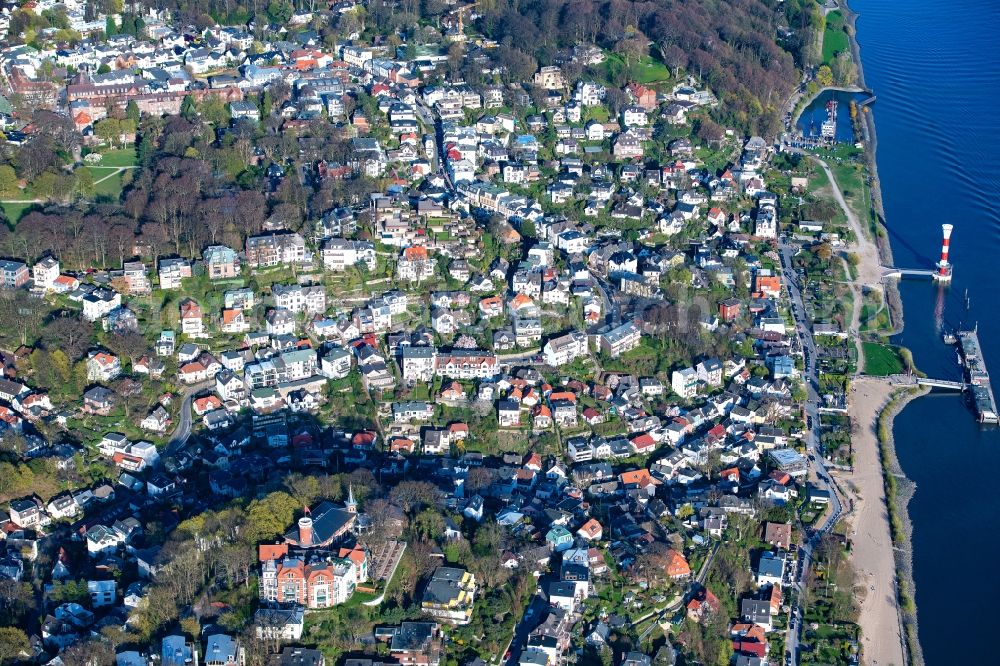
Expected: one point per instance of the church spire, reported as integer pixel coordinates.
(351, 504)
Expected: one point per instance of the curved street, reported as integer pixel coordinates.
(182, 432)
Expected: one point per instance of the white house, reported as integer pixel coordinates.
(565, 348)
(684, 383)
(634, 116)
(44, 273)
(102, 592)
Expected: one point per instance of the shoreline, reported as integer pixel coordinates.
(899, 492)
(872, 489)
(897, 488)
(880, 229)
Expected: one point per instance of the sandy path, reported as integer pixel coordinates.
(872, 556)
(870, 265)
(856, 303)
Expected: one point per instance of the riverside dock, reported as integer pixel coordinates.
(977, 377)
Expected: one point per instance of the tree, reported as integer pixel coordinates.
(428, 524)
(13, 645)
(279, 12)
(632, 47)
(269, 517)
(21, 316)
(652, 563)
(710, 132)
(47, 186)
(16, 599)
(131, 345)
(824, 76)
(844, 71)
(410, 495)
(8, 182)
(456, 55)
(188, 109)
(126, 389)
(132, 112)
(421, 554)
(110, 27)
(477, 479)
(61, 366)
(69, 335)
(214, 110)
(88, 653)
(266, 103)
(13, 441)
(305, 489)
(84, 180)
(824, 251)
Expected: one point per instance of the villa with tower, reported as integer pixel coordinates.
(318, 564)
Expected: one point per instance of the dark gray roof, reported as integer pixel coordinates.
(412, 636)
(327, 521)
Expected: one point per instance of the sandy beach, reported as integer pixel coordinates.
(872, 556)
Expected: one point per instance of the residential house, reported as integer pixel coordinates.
(221, 262)
(192, 322)
(275, 248)
(102, 366)
(450, 595)
(172, 270)
(565, 349)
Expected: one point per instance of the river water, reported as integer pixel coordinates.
(935, 67)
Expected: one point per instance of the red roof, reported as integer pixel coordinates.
(271, 551)
(643, 441)
(363, 438)
(748, 647)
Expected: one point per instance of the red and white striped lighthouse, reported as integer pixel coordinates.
(943, 266)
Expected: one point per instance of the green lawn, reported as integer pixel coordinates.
(14, 211)
(645, 70)
(110, 187)
(835, 37)
(117, 158)
(881, 360)
(598, 113)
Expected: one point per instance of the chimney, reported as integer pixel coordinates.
(305, 531)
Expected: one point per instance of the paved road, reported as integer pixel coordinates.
(427, 117)
(808, 345)
(612, 311)
(183, 430)
(533, 615)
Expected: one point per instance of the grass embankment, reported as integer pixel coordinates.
(645, 69)
(882, 360)
(895, 502)
(835, 37)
